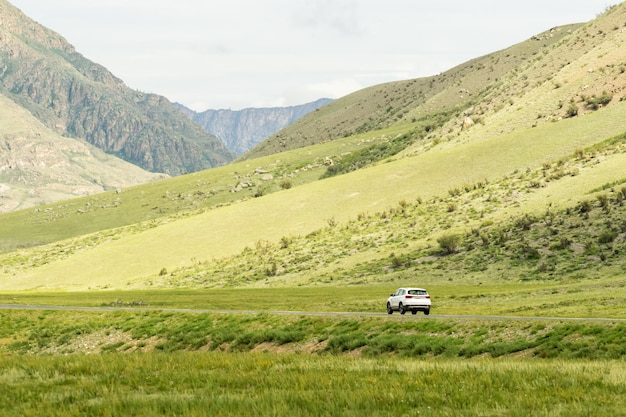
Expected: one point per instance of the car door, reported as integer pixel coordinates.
(395, 300)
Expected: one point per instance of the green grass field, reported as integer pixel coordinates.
(78, 363)
(603, 297)
(215, 384)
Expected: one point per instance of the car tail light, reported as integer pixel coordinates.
(428, 296)
(408, 296)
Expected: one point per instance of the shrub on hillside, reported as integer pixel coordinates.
(286, 184)
(449, 243)
(608, 236)
(594, 103)
(369, 155)
(572, 110)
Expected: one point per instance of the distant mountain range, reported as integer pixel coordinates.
(74, 97)
(242, 130)
(69, 127)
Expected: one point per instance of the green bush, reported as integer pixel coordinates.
(286, 184)
(594, 103)
(369, 155)
(449, 243)
(608, 236)
(572, 110)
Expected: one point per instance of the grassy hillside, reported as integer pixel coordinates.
(175, 197)
(433, 101)
(187, 240)
(271, 221)
(534, 82)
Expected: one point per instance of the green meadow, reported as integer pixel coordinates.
(214, 384)
(147, 362)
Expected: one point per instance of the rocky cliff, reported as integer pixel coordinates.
(38, 166)
(242, 130)
(75, 97)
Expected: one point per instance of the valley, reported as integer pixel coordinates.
(498, 185)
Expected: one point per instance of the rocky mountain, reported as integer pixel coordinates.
(43, 73)
(38, 166)
(242, 130)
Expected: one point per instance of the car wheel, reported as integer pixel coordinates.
(401, 308)
(413, 312)
(427, 312)
(389, 310)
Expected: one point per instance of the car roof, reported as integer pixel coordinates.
(411, 288)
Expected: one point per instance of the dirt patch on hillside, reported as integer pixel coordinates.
(103, 341)
(312, 346)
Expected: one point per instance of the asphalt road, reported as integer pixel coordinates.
(306, 313)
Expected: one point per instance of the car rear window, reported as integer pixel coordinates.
(418, 292)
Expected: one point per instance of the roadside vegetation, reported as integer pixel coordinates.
(76, 332)
(71, 363)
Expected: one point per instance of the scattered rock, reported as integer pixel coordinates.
(241, 186)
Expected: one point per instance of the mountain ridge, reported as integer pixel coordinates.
(443, 99)
(241, 130)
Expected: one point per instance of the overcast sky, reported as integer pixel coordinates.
(235, 54)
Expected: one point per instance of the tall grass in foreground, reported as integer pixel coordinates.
(219, 384)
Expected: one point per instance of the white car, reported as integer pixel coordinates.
(409, 299)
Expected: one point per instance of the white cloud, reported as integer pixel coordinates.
(338, 16)
(323, 89)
